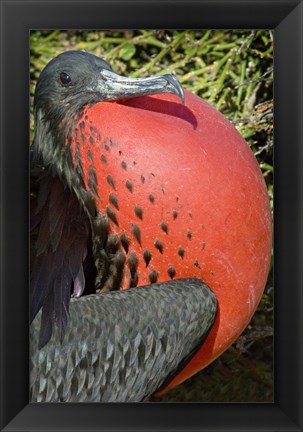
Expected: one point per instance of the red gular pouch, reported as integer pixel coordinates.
(184, 197)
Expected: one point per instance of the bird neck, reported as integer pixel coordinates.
(51, 146)
(51, 150)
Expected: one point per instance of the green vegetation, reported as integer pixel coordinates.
(233, 71)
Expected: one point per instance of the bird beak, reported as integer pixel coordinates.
(115, 87)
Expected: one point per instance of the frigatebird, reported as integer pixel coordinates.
(136, 203)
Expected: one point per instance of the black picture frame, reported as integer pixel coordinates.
(17, 19)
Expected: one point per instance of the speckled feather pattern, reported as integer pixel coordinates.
(121, 346)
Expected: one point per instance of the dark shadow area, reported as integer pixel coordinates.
(175, 109)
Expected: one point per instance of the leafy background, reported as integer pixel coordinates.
(233, 71)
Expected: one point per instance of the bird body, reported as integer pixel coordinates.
(166, 191)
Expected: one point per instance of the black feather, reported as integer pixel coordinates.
(59, 243)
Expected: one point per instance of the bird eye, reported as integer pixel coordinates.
(65, 78)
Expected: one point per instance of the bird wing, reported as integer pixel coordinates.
(121, 346)
(59, 240)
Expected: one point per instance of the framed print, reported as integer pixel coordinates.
(277, 24)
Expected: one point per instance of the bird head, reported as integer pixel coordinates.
(78, 78)
(73, 80)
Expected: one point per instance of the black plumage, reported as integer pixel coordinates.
(138, 346)
(61, 244)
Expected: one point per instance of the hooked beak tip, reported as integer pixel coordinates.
(182, 97)
(176, 86)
